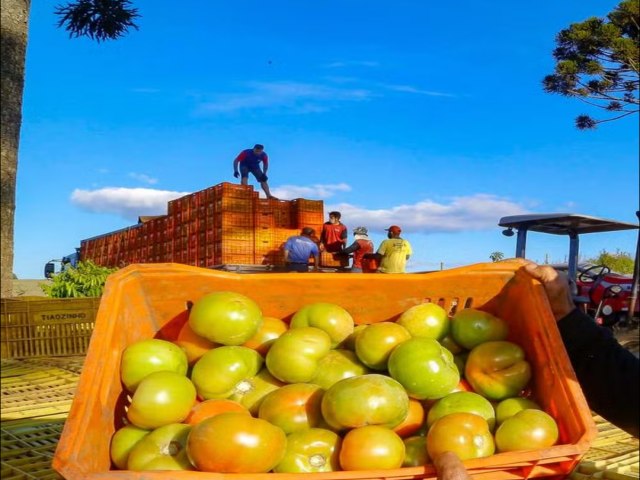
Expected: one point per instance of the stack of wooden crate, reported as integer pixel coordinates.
(223, 224)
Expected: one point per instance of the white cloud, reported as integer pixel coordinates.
(295, 97)
(470, 213)
(352, 63)
(458, 214)
(126, 202)
(417, 91)
(319, 192)
(143, 178)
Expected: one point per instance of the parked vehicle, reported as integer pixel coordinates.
(68, 261)
(607, 296)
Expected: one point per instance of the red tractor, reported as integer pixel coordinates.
(607, 296)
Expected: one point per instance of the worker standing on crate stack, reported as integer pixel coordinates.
(607, 372)
(359, 248)
(298, 249)
(394, 252)
(249, 162)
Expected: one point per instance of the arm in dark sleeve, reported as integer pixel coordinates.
(350, 249)
(606, 371)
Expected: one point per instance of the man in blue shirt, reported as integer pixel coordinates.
(298, 249)
(249, 161)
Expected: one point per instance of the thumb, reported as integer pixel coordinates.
(449, 467)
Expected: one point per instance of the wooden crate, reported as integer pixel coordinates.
(34, 327)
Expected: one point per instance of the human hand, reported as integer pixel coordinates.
(556, 285)
(236, 174)
(449, 467)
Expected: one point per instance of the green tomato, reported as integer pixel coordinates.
(510, 406)
(148, 356)
(122, 443)
(162, 449)
(424, 368)
(220, 372)
(371, 399)
(161, 398)
(528, 429)
(416, 453)
(336, 365)
(427, 320)
(311, 450)
(251, 391)
(497, 370)
(375, 343)
(227, 318)
(469, 402)
(471, 327)
(294, 357)
(331, 318)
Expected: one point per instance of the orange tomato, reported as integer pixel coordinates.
(271, 329)
(414, 421)
(193, 344)
(234, 442)
(293, 407)
(213, 407)
(465, 434)
(371, 448)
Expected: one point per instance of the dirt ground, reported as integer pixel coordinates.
(28, 288)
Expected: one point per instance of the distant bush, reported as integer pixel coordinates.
(85, 280)
(621, 262)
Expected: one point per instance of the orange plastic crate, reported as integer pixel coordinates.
(143, 301)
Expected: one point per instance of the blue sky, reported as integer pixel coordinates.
(428, 115)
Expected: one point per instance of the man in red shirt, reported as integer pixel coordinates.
(249, 161)
(333, 237)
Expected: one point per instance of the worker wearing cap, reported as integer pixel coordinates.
(359, 248)
(394, 251)
(298, 249)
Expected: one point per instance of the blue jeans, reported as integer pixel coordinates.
(297, 267)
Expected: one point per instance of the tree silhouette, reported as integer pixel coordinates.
(496, 256)
(597, 63)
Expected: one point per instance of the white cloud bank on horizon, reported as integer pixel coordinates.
(465, 213)
(126, 202)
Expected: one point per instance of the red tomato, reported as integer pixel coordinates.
(271, 329)
(233, 442)
(465, 434)
(211, 408)
(311, 450)
(371, 399)
(414, 421)
(371, 447)
(293, 407)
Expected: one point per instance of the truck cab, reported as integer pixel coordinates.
(55, 266)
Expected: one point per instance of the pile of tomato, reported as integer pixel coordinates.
(237, 392)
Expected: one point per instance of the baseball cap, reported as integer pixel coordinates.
(360, 231)
(394, 229)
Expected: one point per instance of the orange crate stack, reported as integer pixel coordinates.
(142, 302)
(307, 213)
